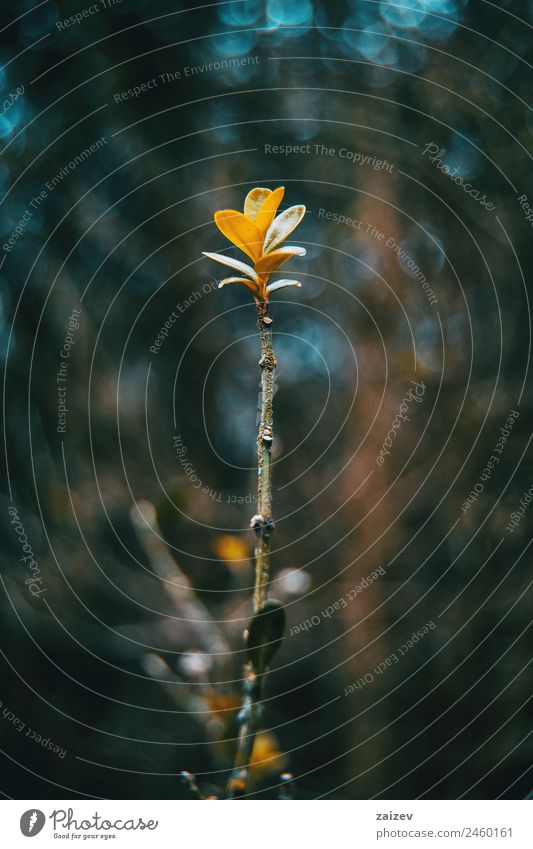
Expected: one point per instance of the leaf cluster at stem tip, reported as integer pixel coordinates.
(260, 234)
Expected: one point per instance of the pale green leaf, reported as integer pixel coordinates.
(254, 201)
(281, 284)
(236, 264)
(242, 280)
(282, 226)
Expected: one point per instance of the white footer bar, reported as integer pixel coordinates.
(269, 825)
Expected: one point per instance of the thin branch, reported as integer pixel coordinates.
(263, 525)
(250, 715)
(262, 521)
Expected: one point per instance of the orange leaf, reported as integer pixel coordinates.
(272, 261)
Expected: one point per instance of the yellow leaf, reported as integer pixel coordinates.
(282, 226)
(269, 207)
(240, 230)
(254, 201)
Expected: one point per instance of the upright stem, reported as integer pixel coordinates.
(250, 716)
(263, 525)
(262, 522)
